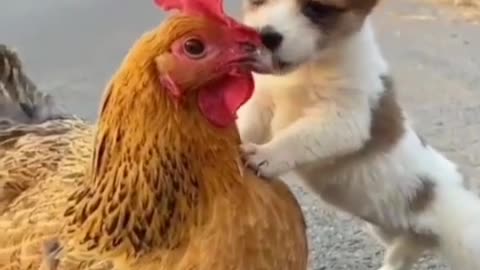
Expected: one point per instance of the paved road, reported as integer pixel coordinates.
(71, 48)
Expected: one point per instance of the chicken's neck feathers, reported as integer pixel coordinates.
(155, 169)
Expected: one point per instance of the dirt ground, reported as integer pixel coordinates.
(470, 9)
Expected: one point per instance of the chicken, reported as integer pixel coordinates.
(158, 184)
(19, 98)
(59, 147)
(41, 149)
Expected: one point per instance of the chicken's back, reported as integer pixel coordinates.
(257, 225)
(273, 226)
(33, 154)
(40, 165)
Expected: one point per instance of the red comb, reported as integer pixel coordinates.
(212, 9)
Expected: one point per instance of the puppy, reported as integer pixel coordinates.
(330, 114)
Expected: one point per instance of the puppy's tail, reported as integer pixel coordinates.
(458, 222)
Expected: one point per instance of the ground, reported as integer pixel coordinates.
(72, 47)
(470, 9)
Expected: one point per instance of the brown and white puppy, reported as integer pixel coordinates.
(331, 116)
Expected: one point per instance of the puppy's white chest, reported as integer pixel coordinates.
(288, 108)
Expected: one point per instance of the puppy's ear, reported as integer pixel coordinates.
(363, 6)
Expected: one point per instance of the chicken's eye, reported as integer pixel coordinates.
(195, 48)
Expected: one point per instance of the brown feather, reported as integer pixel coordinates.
(40, 165)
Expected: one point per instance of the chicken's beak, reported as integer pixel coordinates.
(262, 61)
(257, 59)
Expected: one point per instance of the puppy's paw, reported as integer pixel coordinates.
(265, 160)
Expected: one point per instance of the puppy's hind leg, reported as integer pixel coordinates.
(385, 237)
(402, 250)
(402, 254)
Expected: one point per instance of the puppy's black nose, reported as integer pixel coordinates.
(271, 38)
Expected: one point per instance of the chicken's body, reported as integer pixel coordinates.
(39, 166)
(42, 164)
(153, 187)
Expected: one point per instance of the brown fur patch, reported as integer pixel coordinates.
(364, 6)
(387, 125)
(386, 128)
(348, 19)
(424, 195)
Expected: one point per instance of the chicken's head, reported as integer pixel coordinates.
(210, 59)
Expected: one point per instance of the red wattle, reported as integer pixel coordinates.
(219, 103)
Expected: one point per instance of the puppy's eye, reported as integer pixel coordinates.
(194, 48)
(317, 12)
(257, 3)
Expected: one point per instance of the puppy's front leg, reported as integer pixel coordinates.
(325, 132)
(254, 119)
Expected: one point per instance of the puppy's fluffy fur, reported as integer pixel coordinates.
(331, 116)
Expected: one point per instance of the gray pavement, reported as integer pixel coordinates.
(70, 48)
